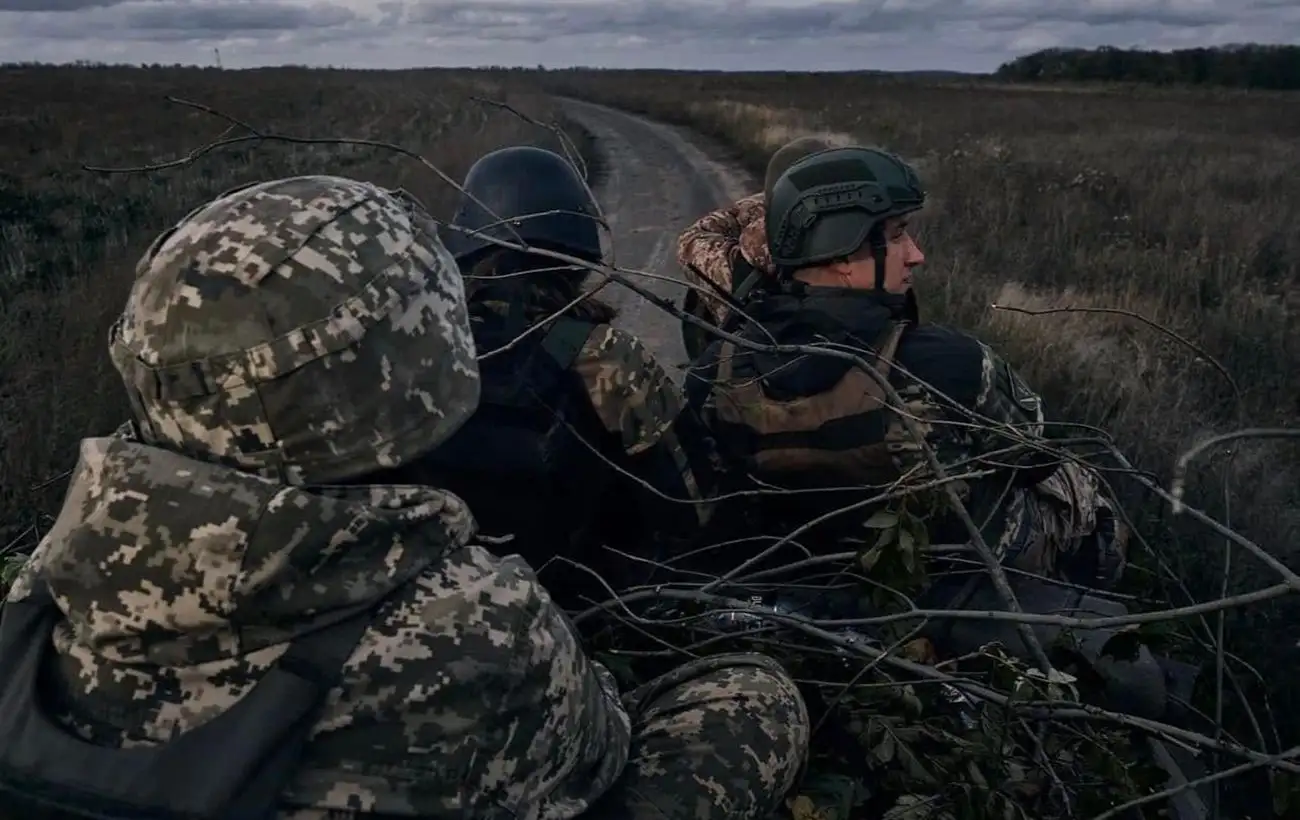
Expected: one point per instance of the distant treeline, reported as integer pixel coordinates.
(1242, 66)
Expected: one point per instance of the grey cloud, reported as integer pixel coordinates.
(188, 20)
(538, 20)
(55, 5)
(791, 34)
(238, 17)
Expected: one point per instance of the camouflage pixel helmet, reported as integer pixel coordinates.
(829, 204)
(530, 194)
(310, 329)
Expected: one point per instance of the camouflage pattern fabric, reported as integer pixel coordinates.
(183, 581)
(747, 698)
(710, 246)
(639, 403)
(1059, 525)
(184, 561)
(1065, 527)
(1054, 528)
(266, 330)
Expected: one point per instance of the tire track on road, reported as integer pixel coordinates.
(655, 179)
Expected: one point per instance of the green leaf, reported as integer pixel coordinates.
(909, 807)
(882, 520)
(913, 766)
(907, 550)
(871, 557)
(1285, 787)
(835, 792)
(884, 751)
(910, 700)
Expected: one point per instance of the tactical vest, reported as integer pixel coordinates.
(838, 435)
(527, 461)
(234, 767)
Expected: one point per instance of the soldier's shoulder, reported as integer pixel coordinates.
(948, 359)
(432, 675)
(943, 334)
(751, 208)
(941, 345)
(470, 605)
(614, 346)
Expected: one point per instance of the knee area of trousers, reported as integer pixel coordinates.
(749, 689)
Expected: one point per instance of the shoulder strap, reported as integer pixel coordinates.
(746, 285)
(565, 339)
(261, 738)
(726, 357)
(317, 659)
(887, 346)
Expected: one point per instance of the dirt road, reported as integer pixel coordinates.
(654, 180)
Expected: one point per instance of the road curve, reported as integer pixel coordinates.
(653, 181)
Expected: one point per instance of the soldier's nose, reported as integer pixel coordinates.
(914, 256)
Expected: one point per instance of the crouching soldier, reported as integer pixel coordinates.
(233, 618)
(837, 227)
(580, 439)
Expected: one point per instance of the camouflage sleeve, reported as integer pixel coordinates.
(708, 247)
(662, 443)
(996, 393)
(564, 714)
(1005, 398)
(1060, 522)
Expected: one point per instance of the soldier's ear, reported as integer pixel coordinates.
(842, 267)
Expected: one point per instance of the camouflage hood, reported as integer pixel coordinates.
(160, 559)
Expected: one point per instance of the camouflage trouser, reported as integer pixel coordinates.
(1063, 527)
(720, 737)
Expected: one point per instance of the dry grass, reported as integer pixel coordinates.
(1180, 206)
(69, 239)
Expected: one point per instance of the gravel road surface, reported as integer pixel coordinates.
(653, 181)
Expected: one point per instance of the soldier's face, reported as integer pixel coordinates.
(902, 255)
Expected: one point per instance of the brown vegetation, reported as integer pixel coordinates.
(69, 238)
(1177, 205)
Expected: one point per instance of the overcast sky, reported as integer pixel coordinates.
(965, 35)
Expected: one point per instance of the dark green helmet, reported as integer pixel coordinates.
(826, 205)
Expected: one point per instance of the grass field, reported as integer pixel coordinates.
(69, 239)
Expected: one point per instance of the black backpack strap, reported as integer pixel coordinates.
(316, 659)
(746, 285)
(234, 767)
(565, 339)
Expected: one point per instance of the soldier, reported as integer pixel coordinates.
(844, 271)
(725, 252)
(232, 619)
(580, 432)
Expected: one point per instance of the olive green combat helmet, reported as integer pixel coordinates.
(829, 204)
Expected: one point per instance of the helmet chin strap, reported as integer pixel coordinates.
(902, 306)
(878, 254)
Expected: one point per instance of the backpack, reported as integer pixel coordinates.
(528, 462)
(234, 767)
